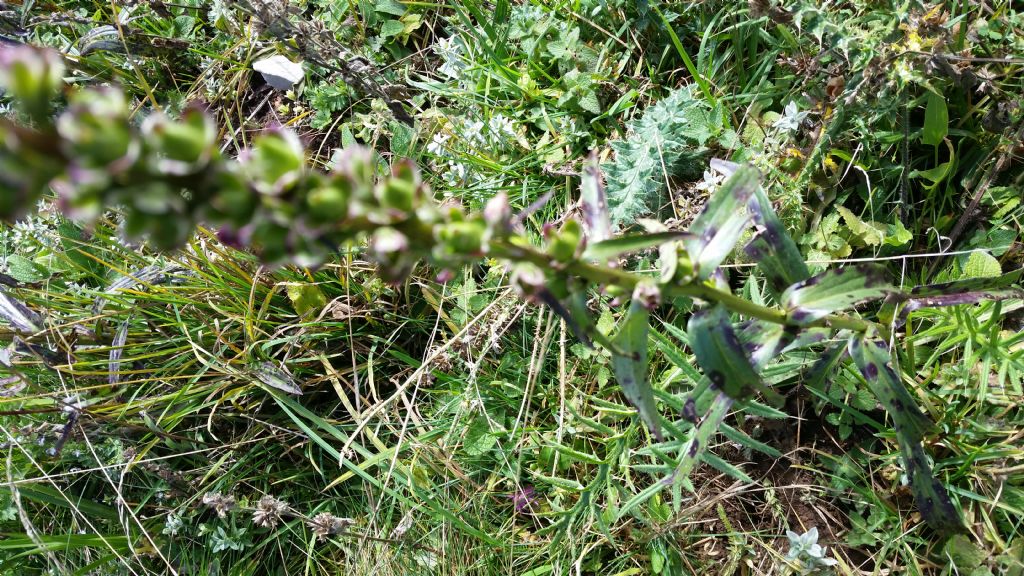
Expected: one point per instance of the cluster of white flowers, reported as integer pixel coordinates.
(450, 51)
(472, 136)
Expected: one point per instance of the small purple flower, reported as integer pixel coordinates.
(524, 499)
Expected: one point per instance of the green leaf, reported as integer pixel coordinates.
(629, 361)
(616, 247)
(478, 440)
(392, 7)
(723, 358)
(834, 290)
(24, 270)
(307, 299)
(391, 28)
(869, 233)
(911, 425)
(719, 225)
(936, 120)
(981, 265)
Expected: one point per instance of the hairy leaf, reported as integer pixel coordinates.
(834, 290)
(724, 218)
(629, 359)
(669, 139)
(722, 357)
(911, 426)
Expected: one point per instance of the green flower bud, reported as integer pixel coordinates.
(95, 131)
(33, 76)
(563, 245)
(181, 147)
(400, 193)
(356, 164)
(328, 203)
(463, 238)
(275, 162)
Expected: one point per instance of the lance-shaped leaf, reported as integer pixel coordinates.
(764, 340)
(20, 317)
(691, 452)
(616, 247)
(723, 358)
(150, 275)
(911, 426)
(942, 300)
(970, 291)
(595, 203)
(724, 218)
(629, 360)
(116, 350)
(276, 378)
(833, 290)
(772, 247)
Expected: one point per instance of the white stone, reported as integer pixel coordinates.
(280, 72)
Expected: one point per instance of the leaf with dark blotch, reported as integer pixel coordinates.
(772, 247)
(51, 358)
(276, 378)
(150, 275)
(969, 285)
(616, 247)
(595, 203)
(690, 454)
(929, 493)
(116, 350)
(629, 360)
(942, 300)
(722, 356)
(19, 316)
(911, 426)
(763, 341)
(873, 360)
(724, 218)
(834, 290)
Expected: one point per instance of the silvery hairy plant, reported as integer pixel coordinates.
(167, 176)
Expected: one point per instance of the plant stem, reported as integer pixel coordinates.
(519, 252)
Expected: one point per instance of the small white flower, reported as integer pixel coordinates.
(474, 132)
(791, 118)
(438, 144)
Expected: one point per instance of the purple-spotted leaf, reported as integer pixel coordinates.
(116, 351)
(691, 452)
(596, 220)
(19, 316)
(911, 426)
(719, 226)
(722, 356)
(276, 378)
(833, 290)
(873, 361)
(772, 247)
(929, 493)
(764, 340)
(629, 360)
(942, 300)
(613, 248)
